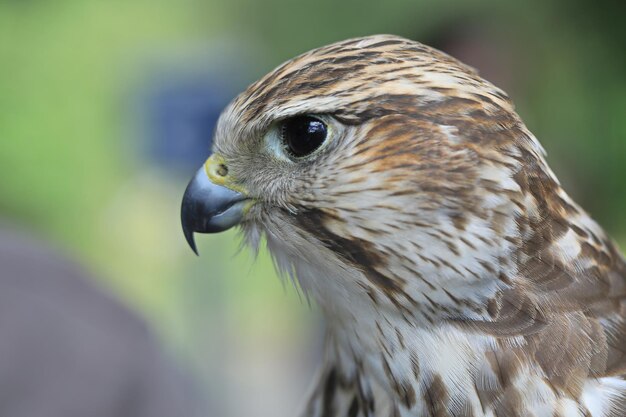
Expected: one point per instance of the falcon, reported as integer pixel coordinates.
(403, 193)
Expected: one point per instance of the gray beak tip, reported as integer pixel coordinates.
(190, 240)
(188, 217)
(208, 208)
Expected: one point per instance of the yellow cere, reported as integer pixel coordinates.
(217, 171)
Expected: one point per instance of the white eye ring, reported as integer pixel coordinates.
(277, 141)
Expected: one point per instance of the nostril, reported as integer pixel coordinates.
(222, 170)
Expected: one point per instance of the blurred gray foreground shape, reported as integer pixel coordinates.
(68, 349)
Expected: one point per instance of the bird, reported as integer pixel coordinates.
(406, 197)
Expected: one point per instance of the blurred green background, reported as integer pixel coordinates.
(85, 165)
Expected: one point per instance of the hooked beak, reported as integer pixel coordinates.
(209, 208)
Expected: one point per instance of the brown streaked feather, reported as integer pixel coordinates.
(431, 210)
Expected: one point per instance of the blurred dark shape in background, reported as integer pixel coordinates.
(68, 348)
(107, 108)
(474, 43)
(182, 119)
(180, 114)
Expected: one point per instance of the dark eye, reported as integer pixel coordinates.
(302, 135)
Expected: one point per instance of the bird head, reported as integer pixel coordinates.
(365, 164)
